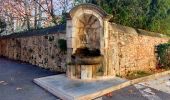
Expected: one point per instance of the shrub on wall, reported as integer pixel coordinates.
(163, 51)
(51, 38)
(62, 45)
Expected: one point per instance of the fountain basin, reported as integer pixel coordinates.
(87, 60)
(86, 56)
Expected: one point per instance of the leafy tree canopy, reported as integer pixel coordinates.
(152, 15)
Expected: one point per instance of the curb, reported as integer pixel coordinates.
(142, 79)
(130, 82)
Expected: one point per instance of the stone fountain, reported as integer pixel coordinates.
(87, 43)
(89, 73)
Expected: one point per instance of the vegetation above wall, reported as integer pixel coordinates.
(151, 15)
(20, 15)
(62, 45)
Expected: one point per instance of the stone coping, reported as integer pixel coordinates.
(131, 30)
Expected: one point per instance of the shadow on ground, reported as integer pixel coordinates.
(16, 81)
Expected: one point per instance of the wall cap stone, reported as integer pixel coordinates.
(131, 30)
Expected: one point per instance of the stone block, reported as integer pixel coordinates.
(69, 23)
(86, 72)
(79, 12)
(69, 31)
(69, 42)
(88, 11)
(69, 28)
(69, 53)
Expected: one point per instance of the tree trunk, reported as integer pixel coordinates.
(54, 20)
(40, 15)
(35, 15)
(27, 14)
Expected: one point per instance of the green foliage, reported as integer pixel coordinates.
(158, 18)
(164, 55)
(63, 18)
(62, 45)
(30, 50)
(2, 25)
(137, 74)
(46, 37)
(51, 38)
(152, 15)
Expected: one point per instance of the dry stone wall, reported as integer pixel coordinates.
(127, 50)
(130, 51)
(42, 50)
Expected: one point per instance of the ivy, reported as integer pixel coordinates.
(62, 45)
(46, 37)
(30, 50)
(51, 38)
(163, 55)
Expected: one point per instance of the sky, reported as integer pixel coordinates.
(59, 4)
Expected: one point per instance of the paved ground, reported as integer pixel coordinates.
(136, 93)
(162, 84)
(16, 84)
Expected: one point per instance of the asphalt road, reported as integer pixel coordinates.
(133, 93)
(16, 81)
(16, 84)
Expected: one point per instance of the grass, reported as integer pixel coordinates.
(137, 74)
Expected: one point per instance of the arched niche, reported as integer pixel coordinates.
(85, 27)
(88, 30)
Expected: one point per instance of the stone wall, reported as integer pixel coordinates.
(42, 50)
(129, 50)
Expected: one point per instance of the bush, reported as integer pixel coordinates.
(163, 51)
(62, 45)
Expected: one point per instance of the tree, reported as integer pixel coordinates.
(150, 15)
(27, 13)
(158, 18)
(21, 15)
